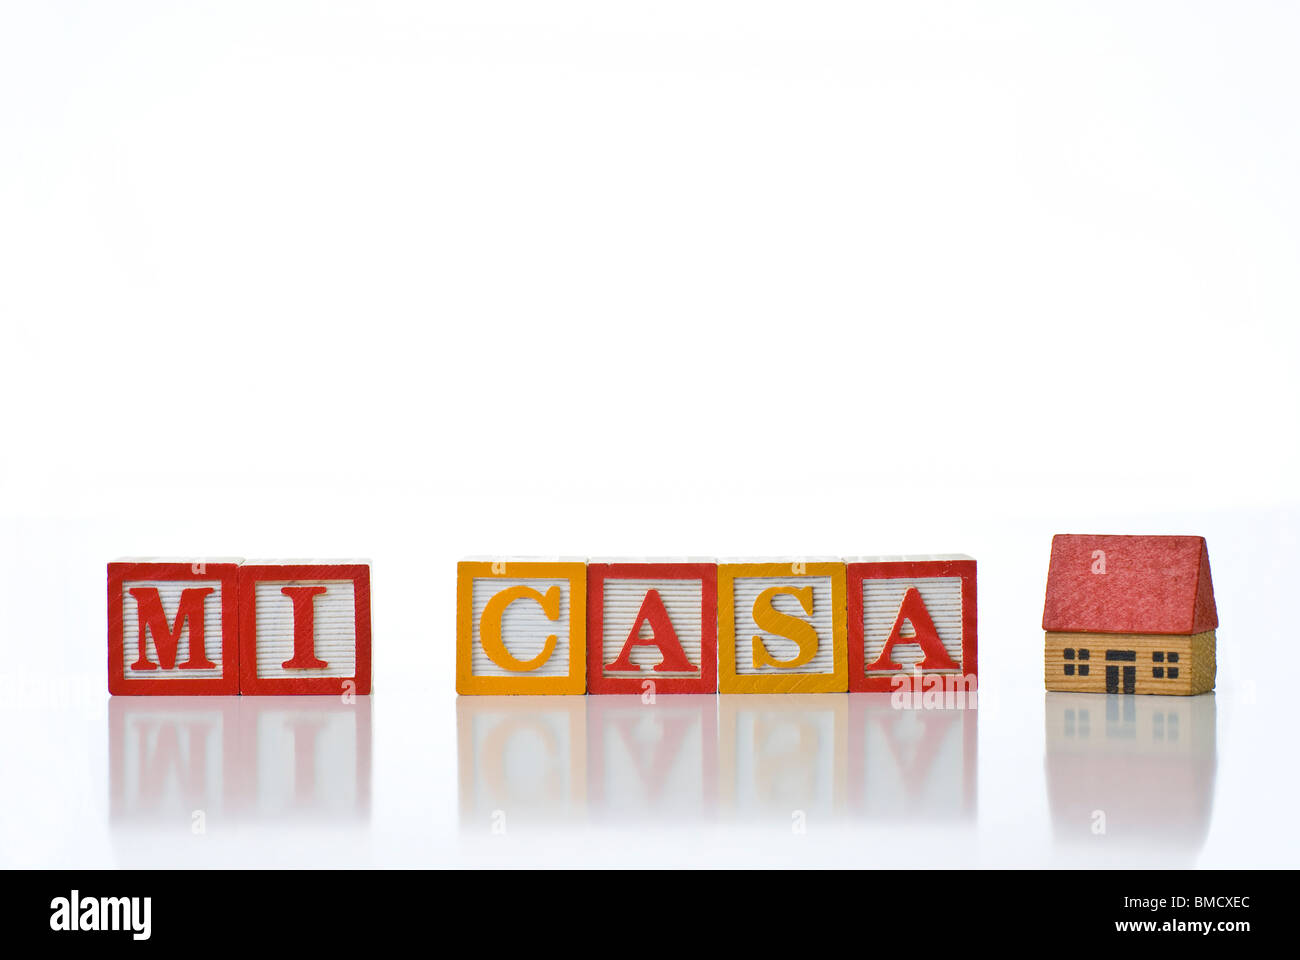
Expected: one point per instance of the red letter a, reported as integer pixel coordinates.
(166, 639)
(665, 638)
(304, 628)
(913, 609)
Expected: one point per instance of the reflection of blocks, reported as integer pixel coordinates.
(781, 628)
(305, 759)
(782, 757)
(522, 761)
(652, 622)
(304, 628)
(911, 762)
(171, 757)
(909, 616)
(657, 764)
(172, 628)
(520, 627)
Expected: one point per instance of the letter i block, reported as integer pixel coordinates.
(304, 628)
(781, 628)
(653, 622)
(912, 618)
(172, 627)
(521, 627)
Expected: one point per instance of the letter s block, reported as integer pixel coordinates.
(304, 628)
(655, 622)
(910, 616)
(781, 628)
(521, 627)
(172, 627)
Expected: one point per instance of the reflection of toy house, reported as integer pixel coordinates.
(1129, 615)
(1130, 774)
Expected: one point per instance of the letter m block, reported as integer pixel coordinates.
(172, 627)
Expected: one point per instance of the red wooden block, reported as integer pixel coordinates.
(172, 627)
(304, 628)
(652, 622)
(910, 616)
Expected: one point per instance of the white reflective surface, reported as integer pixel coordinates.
(414, 281)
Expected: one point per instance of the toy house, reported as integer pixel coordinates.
(1127, 614)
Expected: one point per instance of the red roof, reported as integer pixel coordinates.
(1150, 585)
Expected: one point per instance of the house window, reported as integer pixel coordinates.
(1163, 657)
(1070, 654)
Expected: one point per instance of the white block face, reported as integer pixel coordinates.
(746, 592)
(169, 592)
(335, 620)
(881, 600)
(683, 600)
(524, 628)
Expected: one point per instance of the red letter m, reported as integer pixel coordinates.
(166, 639)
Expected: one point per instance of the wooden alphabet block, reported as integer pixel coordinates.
(1127, 614)
(912, 619)
(304, 627)
(173, 627)
(521, 627)
(652, 623)
(781, 627)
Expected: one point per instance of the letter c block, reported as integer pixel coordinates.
(521, 627)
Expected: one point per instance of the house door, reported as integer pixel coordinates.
(1117, 671)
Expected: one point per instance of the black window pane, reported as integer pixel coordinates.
(1158, 656)
(1083, 669)
(1069, 669)
(1069, 653)
(1083, 653)
(1173, 657)
(1173, 673)
(1158, 672)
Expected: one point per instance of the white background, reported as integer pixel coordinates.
(418, 280)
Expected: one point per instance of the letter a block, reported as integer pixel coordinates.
(172, 627)
(781, 628)
(654, 622)
(910, 618)
(521, 627)
(304, 628)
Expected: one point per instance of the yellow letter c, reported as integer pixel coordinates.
(490, 626)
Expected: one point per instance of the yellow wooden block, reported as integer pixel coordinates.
(782, 628)
(521, 627)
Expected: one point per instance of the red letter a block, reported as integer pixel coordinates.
(172, 628)
(912, 617)
(304, 628)
(652, 622)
